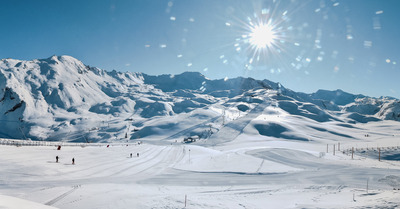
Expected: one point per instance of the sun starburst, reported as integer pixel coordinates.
(262, 36)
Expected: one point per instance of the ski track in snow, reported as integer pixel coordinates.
(231, 131)
(163, 174)
(268, 150)
(187, 130)
(51, 202)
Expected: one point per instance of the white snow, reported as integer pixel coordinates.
(259, 144)
(16, 203)
(60, 98)
(248, 172)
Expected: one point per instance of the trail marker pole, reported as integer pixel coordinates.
(379, 149)
(326, 148)
(338, 146)
(352, 152)
(185, 200)
(333, 149)
(223, 118)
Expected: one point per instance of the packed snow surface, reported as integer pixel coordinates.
(253, 144)
(248, 172)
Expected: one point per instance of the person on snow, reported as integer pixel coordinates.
(57, 159)
(73, 161)
(131, 155)
(137, 154)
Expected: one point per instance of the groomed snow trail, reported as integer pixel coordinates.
(233, 176)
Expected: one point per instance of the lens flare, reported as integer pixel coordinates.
(265, 38)
(262, 36)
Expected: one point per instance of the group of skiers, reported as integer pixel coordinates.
(137, 154)
(73, 160)
(59, 148)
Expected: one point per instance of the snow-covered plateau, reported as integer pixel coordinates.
(249, 143)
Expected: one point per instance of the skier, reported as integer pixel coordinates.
(73, 161)
(137, 154)
(131, 155)
(57, 159)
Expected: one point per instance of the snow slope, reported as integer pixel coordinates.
(250, 171)
(61, 99)
(259, 144)
(16, 203)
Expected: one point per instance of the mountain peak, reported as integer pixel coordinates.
(336, 96)
(60, 96)
(63, 58)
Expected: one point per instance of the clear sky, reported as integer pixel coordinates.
(353, 45)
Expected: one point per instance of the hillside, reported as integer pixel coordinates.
(62, 99)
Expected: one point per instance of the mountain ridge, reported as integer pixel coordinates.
(60, 98)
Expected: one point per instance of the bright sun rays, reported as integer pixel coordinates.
(262, 36)
(269, 38)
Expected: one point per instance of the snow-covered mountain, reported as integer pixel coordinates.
(62, 99)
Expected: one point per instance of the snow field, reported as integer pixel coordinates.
(248, 172)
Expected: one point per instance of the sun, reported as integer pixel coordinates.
(262, 36)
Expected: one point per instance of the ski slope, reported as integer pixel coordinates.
(259, 144)
(247, 172)
(62, 99)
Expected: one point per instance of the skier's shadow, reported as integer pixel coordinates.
(59, 163)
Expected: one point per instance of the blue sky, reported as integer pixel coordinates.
(351, 45)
